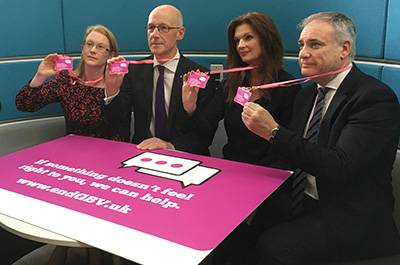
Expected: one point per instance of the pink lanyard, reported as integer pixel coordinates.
(297, 81)
(232, 70)
(85, 82)
(122, 66)
(277, 84)
(149, 61)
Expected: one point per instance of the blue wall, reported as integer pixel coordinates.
(45, 26)
(37, 28)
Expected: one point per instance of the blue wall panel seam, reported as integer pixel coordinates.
(384, 33)
(63, 25)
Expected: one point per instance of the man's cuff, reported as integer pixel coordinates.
(107, 100)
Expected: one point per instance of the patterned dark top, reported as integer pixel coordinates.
(80, 104)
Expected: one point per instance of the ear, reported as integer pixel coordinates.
(345, 49)
(181, 33)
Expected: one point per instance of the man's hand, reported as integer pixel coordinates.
(258, 120)
(155, 143)
(189, 94)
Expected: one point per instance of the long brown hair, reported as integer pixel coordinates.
(272, 53)
(79, 71)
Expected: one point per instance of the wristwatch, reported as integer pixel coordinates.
(274, 131)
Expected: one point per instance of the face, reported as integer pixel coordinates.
(164, 45)
(320, 52)
(92, 56)
(248, 44)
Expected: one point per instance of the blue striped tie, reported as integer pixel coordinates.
(300, 176)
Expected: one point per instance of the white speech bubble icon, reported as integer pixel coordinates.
(162, 163)
(196, 176)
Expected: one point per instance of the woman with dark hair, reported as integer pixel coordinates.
(253, 40)
(79, 92)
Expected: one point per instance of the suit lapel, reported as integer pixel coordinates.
(340, 97)
(305, 101)
(148, 74)
(176, 93)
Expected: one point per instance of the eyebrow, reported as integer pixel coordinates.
(247, 33)
(97, 43)
(309, 40)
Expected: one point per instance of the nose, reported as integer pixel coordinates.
(240, 43)
(304, 53)
(156, 32)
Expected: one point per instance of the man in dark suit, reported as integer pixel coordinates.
(345, 207)
(138, 90)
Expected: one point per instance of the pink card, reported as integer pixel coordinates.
(242, 96)
(64, 63)
(119, 67)
(199, 80)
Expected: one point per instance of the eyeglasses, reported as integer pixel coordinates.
(98, 47)
(163, 28)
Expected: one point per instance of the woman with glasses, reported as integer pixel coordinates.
(79, 92)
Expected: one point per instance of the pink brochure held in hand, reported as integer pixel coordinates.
(242, 96)
(119, 67)
(64, 63)
(198, 80)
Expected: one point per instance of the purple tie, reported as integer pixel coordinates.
(161, 116)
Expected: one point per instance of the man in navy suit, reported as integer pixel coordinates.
(138, 90)
(347, 202)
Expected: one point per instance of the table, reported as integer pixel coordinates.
(148, 207)
(35, 233)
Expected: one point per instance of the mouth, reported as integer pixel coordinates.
(306, 65)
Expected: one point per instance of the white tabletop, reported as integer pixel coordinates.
(35, 233)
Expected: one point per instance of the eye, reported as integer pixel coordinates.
(164, 27)
(315, 45)
(249, 37)
(151, 27)
(101, 47)
(89, 44)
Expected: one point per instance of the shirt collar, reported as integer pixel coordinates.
(337, 81)
(171, 65)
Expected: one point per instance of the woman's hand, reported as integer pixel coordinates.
(45, 70)
(113, 81)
